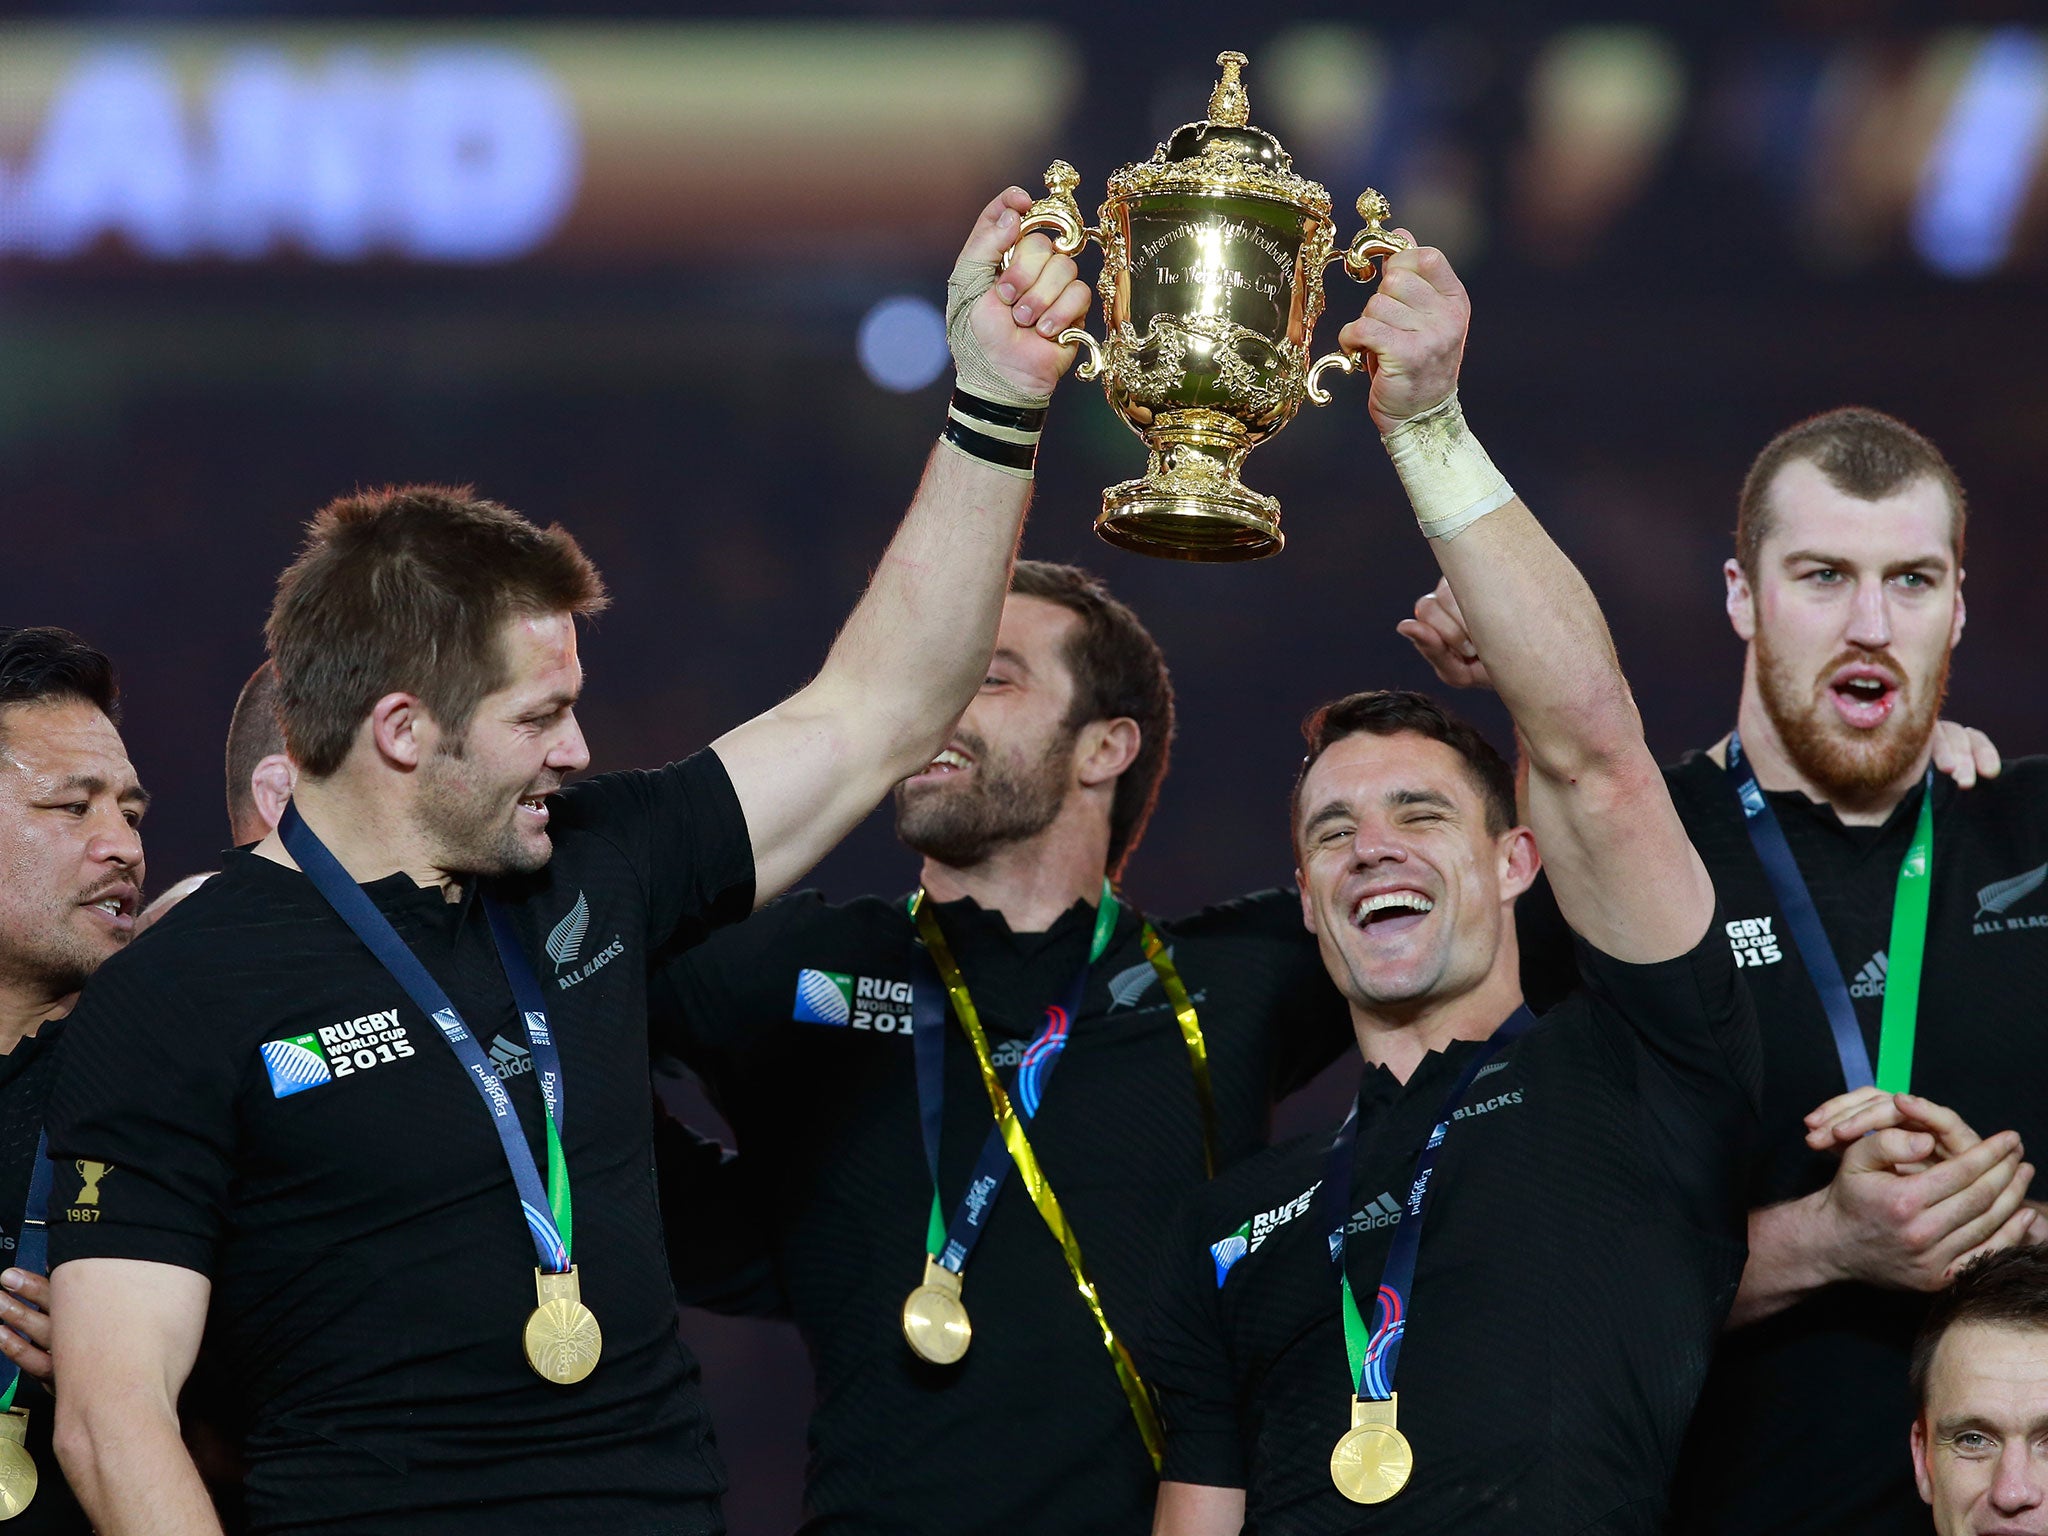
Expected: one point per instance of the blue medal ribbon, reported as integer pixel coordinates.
(1802, 918)
(952, 1244)
(31, 1247)
(1373, 1356)
(354, 907)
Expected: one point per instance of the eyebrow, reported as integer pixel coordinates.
(1336, 810)
(1429, 797)
(1949, 1428)
(93, 784)
(1938, 562)
(1003, 653)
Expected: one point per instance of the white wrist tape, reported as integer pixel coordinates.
(970, 280)
(1449, 479)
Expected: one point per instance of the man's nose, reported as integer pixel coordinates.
(1870, 617)
(116, 840)
(571, 753)
(2022, 1480)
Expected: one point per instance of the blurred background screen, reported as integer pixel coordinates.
(673, 278)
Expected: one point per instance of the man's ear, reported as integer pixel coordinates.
(1741, 601)
(1105, 749)
(1920, 1474)
(1955, 628)
(1519, 862)
(398, 725)
(270, 783)
(1308, 911)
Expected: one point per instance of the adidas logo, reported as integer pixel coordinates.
(1383, 1212)
(565, 942)
(1869, 981)
(508, 1058)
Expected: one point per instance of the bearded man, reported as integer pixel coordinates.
(867, 1054)
(1861, 891)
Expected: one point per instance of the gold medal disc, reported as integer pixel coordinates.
(1371, 1463)
(562, 1338)
(18, 1475)
(935, 1319)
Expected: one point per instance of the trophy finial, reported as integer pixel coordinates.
(1229, 106)
(1061, 179)
(1374, 209)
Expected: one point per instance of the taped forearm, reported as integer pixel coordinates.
(1450, 481)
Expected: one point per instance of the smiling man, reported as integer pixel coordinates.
(1484, 1305)
(835, 1038)
(438, 1280)
(1980, 1372)
(71, 874)
(1847, 872)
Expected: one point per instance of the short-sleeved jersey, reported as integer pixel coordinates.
(1802, 1428)
(247, 1093)
(1584, 1240)
(26, 1073)
(800, 1021)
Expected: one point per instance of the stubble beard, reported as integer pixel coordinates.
(1846, 764)
(467, 824)
(960, 826)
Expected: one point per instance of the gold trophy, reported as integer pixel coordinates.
(1212, 282)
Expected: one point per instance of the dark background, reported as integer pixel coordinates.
(701, 423)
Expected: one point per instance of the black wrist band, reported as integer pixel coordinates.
(1004, 437)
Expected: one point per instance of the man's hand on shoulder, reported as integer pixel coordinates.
(1964, 754)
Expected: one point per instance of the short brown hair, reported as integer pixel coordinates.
(253, 734)
(2007, 1288)
(1119, 673)
(1390, 712)
(405, 589)
(1863, 453)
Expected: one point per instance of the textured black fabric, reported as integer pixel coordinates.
(371, 1269)
(1030, 1433)
(1584, 1241)
(1802, 1428)
(25, 1076)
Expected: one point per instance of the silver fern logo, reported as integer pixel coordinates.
(2001, 895)
(566, 942)
(1127, 986)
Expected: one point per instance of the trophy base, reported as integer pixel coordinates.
(1216, 521)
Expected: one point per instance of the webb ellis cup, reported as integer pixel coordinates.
(1212, 282)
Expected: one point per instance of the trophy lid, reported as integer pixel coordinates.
(1223, 153)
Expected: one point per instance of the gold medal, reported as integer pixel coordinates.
(17, 1467)
(1372, 1462)
(934, 1317)
(563, 1340)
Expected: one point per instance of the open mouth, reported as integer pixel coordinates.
(1863, 696)
(947, 763)
(535, 806)
(1386, 913)
(117, 906)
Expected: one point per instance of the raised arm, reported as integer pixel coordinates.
(917, 646)
(127, 1332)
(1625, 875)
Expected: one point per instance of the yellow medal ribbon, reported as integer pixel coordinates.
(1135, 1391)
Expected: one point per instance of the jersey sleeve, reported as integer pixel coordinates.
(1182, 1354)
(1693, 1029)
(706, 1001)
(141, 1124)
(682, 829)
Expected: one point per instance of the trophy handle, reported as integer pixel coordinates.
(1095, 363)
(1057, 213)
(1371, 244)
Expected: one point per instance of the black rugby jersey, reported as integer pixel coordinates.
(799, 1019)
(247, 1093)
(1802, 1428)
(1584, 1240)
(25, 1077)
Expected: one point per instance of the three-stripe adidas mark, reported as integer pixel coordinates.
(1869, 981)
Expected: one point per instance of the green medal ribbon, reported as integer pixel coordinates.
(1905, 953)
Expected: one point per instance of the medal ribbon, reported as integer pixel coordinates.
(31, 1246)
(1373, 1354)
(1011, 1129)
(1904, 954)
(547, 1224)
